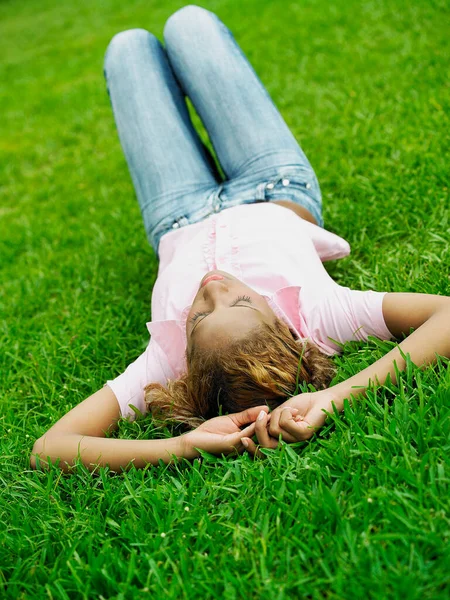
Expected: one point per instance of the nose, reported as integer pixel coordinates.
(216, 292)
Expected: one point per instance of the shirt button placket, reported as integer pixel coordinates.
(222, 243)
(209, 246)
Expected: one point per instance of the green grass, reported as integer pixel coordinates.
(359, 512)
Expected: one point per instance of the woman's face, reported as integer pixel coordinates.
(224, 309)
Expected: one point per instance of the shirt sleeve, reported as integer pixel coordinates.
(339, 314)
(128, 387)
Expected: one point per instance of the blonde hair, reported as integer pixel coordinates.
(262, 368)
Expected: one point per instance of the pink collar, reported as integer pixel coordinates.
(170, 335)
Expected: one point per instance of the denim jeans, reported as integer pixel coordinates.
(174, 175)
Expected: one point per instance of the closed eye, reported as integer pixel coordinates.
(235, 303)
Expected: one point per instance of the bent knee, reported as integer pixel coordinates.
(128, 42)
(189, 19)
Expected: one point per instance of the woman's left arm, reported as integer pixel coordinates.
(428, 315)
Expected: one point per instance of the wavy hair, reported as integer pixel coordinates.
(262, 368)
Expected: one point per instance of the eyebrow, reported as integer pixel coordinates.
(235, 305)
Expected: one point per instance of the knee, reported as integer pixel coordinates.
(188, 20)
(128, 43)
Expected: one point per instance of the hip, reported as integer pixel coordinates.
(292, 186)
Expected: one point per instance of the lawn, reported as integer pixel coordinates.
(360, 511)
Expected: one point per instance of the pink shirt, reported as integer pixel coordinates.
(270, 249)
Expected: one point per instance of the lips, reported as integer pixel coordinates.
(211, 278)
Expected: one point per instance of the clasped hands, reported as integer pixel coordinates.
(295, 420)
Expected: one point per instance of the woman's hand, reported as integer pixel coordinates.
(222, 435)
(301, 416)
(295, 420)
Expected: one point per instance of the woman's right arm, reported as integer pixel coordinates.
(81, 432)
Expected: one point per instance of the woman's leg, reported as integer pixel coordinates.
(247, 131)
(166, 158)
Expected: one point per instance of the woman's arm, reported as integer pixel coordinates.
(428, 314)
(81, 432)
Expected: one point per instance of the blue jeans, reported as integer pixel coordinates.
(175, 177)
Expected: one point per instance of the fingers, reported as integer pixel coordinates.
(275, 418)
(264, 439)
(290, 424)
(235, 440)
(247, 431)
(275, 425)
(252, 448)
(248, 416)
(262, 433)
(294, 426)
